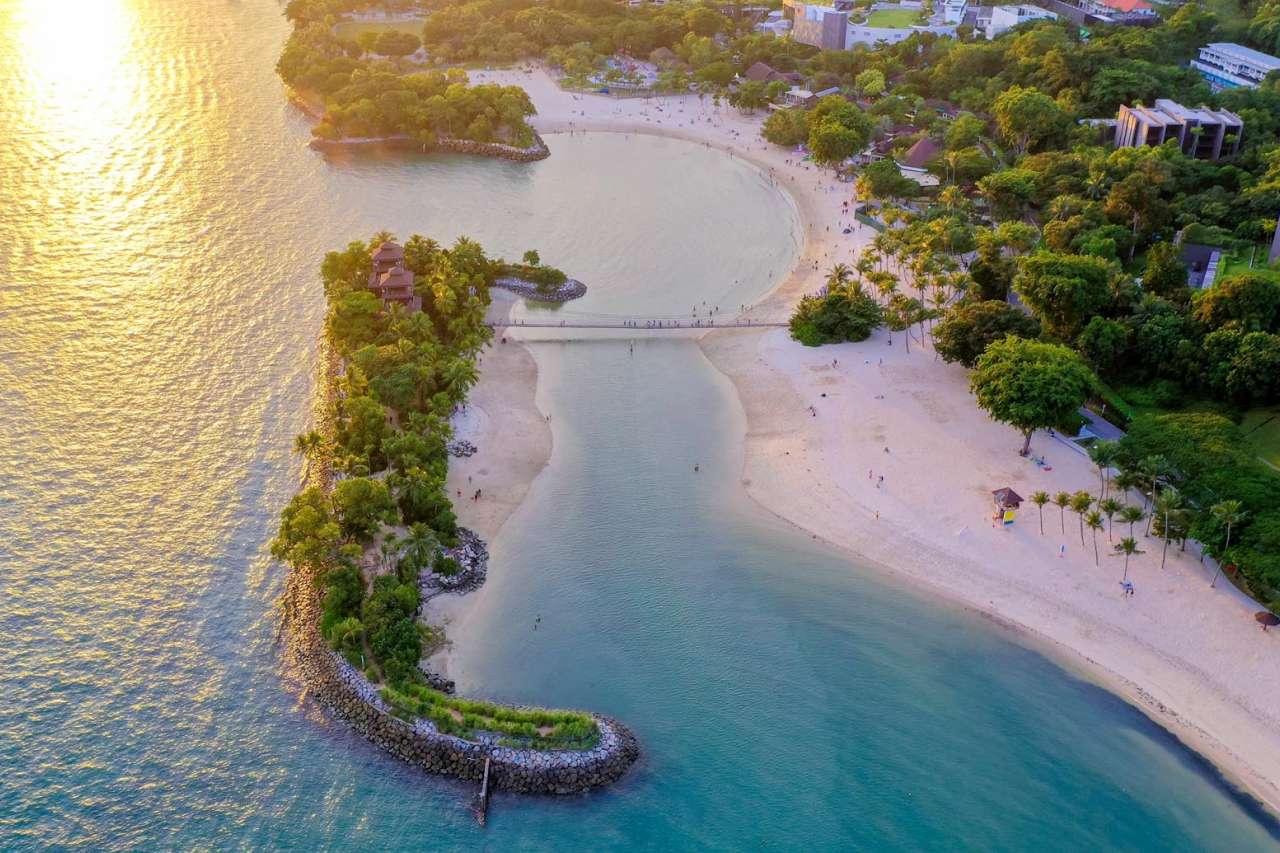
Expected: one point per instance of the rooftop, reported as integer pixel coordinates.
(1245, 54)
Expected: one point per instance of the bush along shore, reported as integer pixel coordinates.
(372, 536)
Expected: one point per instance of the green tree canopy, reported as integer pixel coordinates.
(1030, 385)
(968, 328)
(1064, 290)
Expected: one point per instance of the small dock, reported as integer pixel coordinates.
(480, 804)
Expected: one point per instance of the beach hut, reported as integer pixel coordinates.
(1007, 502)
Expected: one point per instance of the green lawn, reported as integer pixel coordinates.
(1261, 428)
(351, 29)
(1238, 262)
(893, 18)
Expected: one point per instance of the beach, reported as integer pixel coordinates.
(1189, 656)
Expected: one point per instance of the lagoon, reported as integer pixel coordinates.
(161, 222)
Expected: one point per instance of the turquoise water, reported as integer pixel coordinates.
(160, 224)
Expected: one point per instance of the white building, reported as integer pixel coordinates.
(1232, 66)
(953, 10)
(1005, 18)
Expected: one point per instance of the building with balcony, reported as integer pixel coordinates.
(1232, 66)
(1202, 133)
(824, 27)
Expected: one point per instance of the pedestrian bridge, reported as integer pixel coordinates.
(638, 323)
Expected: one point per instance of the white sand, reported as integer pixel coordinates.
(1190, 657)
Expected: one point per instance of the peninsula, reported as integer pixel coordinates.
(373, 536)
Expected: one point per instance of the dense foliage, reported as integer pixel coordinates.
(844, 312)
(370, 97)
(1030, 385)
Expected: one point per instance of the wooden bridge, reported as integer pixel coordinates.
(650, 324)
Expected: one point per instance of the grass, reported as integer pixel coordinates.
(534, 728)
(1238, 262)
(352, 29)
(1261, 429)
(893, 18)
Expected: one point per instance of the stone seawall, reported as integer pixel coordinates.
(569, 290)
(537, 151)
(344, 690)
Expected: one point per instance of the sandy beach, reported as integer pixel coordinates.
(1190, 657)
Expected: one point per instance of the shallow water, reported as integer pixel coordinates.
(160, 226)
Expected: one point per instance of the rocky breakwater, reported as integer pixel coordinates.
(569, 289)
(401, 142)
(343, 689)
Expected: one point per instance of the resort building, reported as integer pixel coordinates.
(914, 164)
(1203, 133)
(1201, 263)
(1005, 18)
(824, 27)
(390, 280)
(1232, 66)
(1117, 8)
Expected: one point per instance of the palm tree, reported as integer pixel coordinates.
(839, 275)
(1063, 500)
(389, 547)
(1103, 454)
(1080, 503)
(1109, 507)
(1152, 469)
(1131, 515)
(1040, 499)
(421, 544)
(1094, 521)
(1167, 504)
(1125, 481)
(306, 444)
(1127, 547)
(1229, 513)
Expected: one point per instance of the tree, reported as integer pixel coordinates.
(1094, 522)
(421, 546)
(882, 179)
(901, 314)
(1167, 504)
(1131, 515)
(1109, 507)
(307, 445)
(1104, 455)
(1253, 374)
(1165, 275)
(362, 505)
(396, 43)
(786, 127)
(837, 130)
(1030, 385)
(1104, 342)
(1040, 499)
(1249, 302)
(1080, 503)
(1153, 469)
(749, 96)
(1008, 192)
(1024, 117)
(968, 328)
(1062, 500)
(1228, 514)
(1064, 290)
(870, 82)
(844, 313)
(1126, 548)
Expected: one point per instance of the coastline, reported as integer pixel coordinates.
(1190, 658)
(514, 444)
(366, 708)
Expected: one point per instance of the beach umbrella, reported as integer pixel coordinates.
(1266, 618)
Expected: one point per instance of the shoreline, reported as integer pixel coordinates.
(370, 711)
(1190, 659)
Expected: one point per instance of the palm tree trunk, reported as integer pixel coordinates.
(1224, 556)
(1042, 521)
(1126, 567)
(1095, 546)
